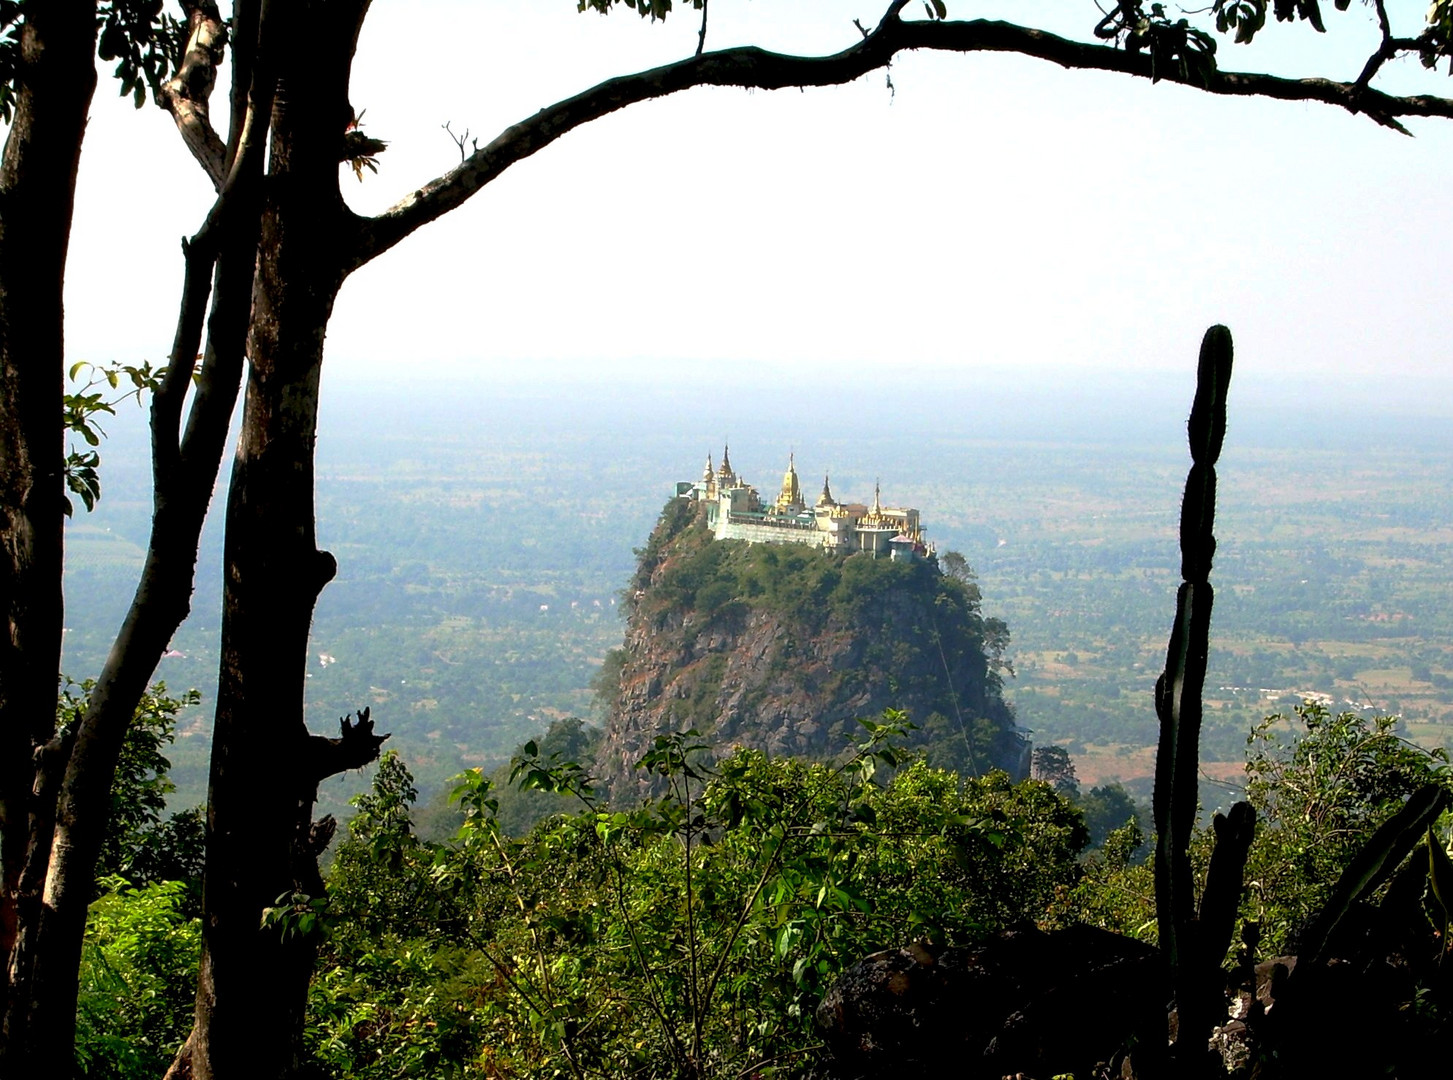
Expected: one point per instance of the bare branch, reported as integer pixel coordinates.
(759, 69)
(701, 35)
(1382, 20)
(222, 366)
(200, 256)
(460, 140)
(187, 94)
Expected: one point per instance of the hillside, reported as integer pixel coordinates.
(781, 647)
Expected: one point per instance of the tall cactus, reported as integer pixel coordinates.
(1194, 945)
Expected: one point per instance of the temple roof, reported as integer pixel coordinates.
(791, 494)
(826, 499)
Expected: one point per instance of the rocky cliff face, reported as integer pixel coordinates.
(781, 648)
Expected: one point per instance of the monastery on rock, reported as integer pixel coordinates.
(735, 511)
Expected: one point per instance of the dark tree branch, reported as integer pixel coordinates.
(701, 34)
(236, 197)
(166, 404)
(355, 747)
(53, 47)
(246, 29)
(759, 69)
(1382, 20)
(1388, 48)
(187, 94)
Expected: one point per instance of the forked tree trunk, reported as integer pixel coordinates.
(219, 264)
(265, 765)
(37, 193)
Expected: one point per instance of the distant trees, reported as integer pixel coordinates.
(1054, 766)
(1106, 808)
(263, 272)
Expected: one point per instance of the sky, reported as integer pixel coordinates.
(990, 218)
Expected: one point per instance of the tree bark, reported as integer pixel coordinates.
(265, 765)
(182, 494)
(73, 779)
(37, 194)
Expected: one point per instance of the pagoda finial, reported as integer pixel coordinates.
(726, 460)
(791, 495)
(706, 476)
(877, 504)
(826, 499)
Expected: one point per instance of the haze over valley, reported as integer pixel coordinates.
(483, 534)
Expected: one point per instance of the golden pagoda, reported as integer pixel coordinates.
(725, 476)
(733, 510)
(789, 501)
(825, 500)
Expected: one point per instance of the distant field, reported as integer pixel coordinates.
(89, 547)
(479, 564)
(1333, 581)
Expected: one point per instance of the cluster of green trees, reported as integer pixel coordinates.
(692, 935)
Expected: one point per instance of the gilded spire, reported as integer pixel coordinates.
(877, 505)
(706, 476)
(791, 495)
(826, 499)
(726, 460)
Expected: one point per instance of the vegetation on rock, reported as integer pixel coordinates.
(780, 646)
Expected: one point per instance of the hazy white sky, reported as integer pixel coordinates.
(994, 212)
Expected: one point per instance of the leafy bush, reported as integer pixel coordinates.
(1319, 795)
(139, 845)
(138, 977)
(689, 936)
(1321, 785)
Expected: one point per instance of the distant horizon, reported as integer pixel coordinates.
(990, 220)
(997, 403)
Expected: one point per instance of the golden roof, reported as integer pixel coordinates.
(791, 494)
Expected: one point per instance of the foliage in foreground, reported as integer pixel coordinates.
(138, 977)
(1321, 784)
(138, 972)
(1319, 793)
(691, 936)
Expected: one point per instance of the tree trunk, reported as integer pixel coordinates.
(76, 779)
(37, 194)
(162, 600)
(266, 767)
